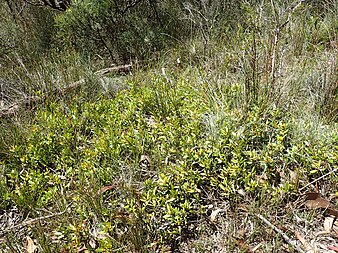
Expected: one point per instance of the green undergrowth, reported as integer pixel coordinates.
(73, 149)
(229, 110)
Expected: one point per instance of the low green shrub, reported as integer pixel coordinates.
(80, 147)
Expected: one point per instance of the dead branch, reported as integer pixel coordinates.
(316, 180)
(28, 222)
(285, 237)
(29, 101)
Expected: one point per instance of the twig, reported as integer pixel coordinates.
(316, 180)
(277, 33)
(121, 68)
(25, 223)
(286, 238)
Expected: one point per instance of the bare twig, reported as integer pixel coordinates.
(277, 33)
(286, 238)
(26, 223)
(121, 68)
(316, 180)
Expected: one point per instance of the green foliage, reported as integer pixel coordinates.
(234, 116)
(71, 146)
(27, 31)
(120, 29)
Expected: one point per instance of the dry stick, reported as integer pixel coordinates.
(13, 108)
(286, 238)
(277, 34)
(316, 180)
(25, 223)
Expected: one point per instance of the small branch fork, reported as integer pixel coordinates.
(279, 27)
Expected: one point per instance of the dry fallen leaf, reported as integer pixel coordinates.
(335, 248)
(314, 200)
(243, 246)
(30, 246)
(335, 227)
(333, 212)
(93, 243)
(215, 213)
(328, 223)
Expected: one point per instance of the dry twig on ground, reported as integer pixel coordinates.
(285, 237)
(28, 222)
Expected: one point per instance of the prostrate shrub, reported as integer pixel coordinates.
(238, 112)
(81, 147)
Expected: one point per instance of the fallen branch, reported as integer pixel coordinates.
(121, 68)
(28, 222)
(285, 237)
(316, 180)
(29, 101)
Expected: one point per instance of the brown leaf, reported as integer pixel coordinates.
(30, 246)
(106, 188)
(314, 200)
(332, 212)
(335, 248)
(282, 228)
(243, 246)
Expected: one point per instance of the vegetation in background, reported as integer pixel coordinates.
(231, 106)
